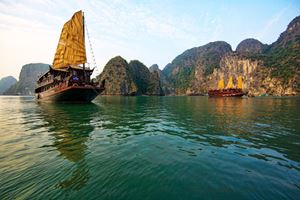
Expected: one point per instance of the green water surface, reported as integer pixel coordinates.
(150, 148)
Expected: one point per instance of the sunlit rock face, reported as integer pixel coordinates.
(188, 70)
(265, 69)
(257, 79)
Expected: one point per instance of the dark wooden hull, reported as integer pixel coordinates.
(80, 94)
(226, 93)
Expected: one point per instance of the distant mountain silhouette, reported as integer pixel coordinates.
(27, 79)
(6, 82)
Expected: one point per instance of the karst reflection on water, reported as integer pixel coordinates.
(70, 131)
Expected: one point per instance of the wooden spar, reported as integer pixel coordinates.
(84, 74)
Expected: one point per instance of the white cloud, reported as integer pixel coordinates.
(30, 29)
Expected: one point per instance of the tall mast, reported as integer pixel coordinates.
(84, 74)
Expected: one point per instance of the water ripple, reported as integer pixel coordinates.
(150, 148)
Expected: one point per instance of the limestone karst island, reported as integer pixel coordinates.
(149, 99)
(264, 70)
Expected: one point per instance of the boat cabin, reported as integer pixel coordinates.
(70, 76)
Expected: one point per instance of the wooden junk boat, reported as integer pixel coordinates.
(229, 91)
(68, 79)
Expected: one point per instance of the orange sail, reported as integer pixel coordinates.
(221, 84)
(230, 83)
(71, 48)
(240, 82)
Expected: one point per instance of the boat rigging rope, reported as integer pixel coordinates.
(91, 47)
(92, 54)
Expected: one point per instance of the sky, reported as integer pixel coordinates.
(151, 31)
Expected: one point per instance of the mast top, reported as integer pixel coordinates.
(71, 46)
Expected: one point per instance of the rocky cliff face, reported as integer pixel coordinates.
(291, 34)
(250, 46)
(272, 69)
(283, 56)
(164, 84)
(154, 67)
(266, 69)
(117, 79)
(154, 85)
(6, 83)
(182, 72)
(257, 79)
(134, 78)
(27, 79)
(140, 75)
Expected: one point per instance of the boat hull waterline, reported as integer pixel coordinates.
(226, 93)
(75, 94)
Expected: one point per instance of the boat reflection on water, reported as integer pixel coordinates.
(229, 110)
(69, 124)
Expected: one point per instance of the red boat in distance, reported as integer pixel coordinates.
(229, 91)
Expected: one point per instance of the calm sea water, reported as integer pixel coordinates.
(150, 148)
